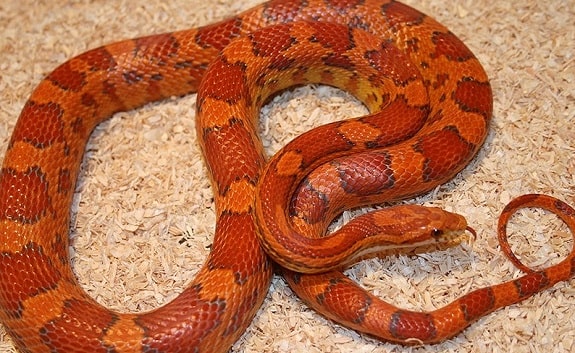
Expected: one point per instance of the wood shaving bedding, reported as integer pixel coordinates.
(144, 216)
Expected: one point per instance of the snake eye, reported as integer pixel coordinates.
(436, 233)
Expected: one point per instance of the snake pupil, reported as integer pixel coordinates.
(436, 232)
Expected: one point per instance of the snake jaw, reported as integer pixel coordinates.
(447, 239)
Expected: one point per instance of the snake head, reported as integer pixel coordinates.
(408, 229)
(431, 225)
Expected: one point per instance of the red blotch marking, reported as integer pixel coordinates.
(24, 196)
(531, 284)
(444, 151)
(88, 100)
(219, 35)
(67, 78)
(283, 10)
(309, 203)
(157, 47)
(25, 274)
(447, 44)
(39, 125)
(338, 142)
(367, 175)
(241, 256)
(342, 291)
(324, 35)
(189, 315)
(399, 14)
(99, 59)
(407, 324)
(225, 82)
(230, 147)
(396, 130)
(393, 63)
(477, 303)
(271, 41)
(474, 96)
(79, 318)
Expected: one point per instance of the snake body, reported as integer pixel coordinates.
(237, 64)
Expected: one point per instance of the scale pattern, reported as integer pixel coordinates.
(398, 61)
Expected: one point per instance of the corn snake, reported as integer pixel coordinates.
(65, 207)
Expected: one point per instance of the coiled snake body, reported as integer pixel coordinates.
(399, 62)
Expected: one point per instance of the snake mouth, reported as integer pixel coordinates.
(445, 241)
